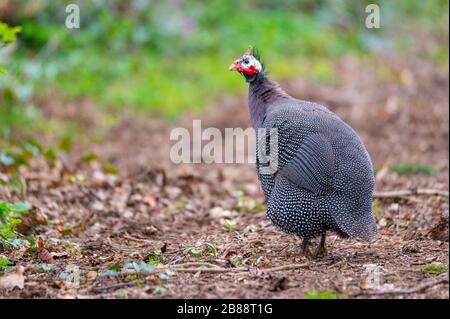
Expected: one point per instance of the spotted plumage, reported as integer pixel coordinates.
(324, 180)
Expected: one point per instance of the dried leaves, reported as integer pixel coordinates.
(13, 280)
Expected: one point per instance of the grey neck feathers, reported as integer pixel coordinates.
(262, 94)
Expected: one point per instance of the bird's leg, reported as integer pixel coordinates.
(304, 249)
(321, 250)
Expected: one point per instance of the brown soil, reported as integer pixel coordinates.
(399, 108)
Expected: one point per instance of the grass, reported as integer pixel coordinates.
(111, 68)
(409, 169)
(435, 268)
(324, 294)
(167, 59)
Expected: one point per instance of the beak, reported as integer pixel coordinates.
(234, 66)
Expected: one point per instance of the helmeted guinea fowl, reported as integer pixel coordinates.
(324, 178)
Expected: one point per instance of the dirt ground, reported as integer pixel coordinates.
(398, 106)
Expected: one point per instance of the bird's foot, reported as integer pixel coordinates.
(321, 250)
(304, 248)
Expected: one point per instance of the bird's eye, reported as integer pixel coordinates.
(246, 61)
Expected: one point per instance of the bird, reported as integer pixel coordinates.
(323, 180)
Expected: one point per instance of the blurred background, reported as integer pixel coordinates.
(168, 58)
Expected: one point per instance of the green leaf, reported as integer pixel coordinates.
(6, 159)
(121, 294)
(109, 273)
(159, 290)
(140, 267)
(110, 169)
(376, 210)
(4, 208)
(230, 224)
(116, 267)
(7, 33)
(193, 251)
(66, 144)
(50, 154)
(20, 207)
(47, 267)
(4, 264)
(89, 157)
(248, 205)
(212, 249)
(154, 258)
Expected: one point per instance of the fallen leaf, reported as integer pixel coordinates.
(35, 217)
(150, 200)
(13, 280)
(279, 284)
(440, 231)
(40, 244)
(62, 254)
(45, 256)
(219, 212)
(91, 275)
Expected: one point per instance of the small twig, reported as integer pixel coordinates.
(409, 192)
(119, 285)
(89, 192)
(209, 270)
(213, 269)
(139, 240)
(285, 267)
(237, 269)
(190, 264)
(442, 279)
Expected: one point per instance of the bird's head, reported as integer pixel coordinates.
(248, 65)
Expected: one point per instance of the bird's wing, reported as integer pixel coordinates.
(306, 155)
(312, 166)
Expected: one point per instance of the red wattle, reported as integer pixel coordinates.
(250, 70)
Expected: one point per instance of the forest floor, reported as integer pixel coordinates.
(206, 240)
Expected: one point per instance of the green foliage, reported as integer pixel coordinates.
(193, 251)
(413, 169)
(154, 258)
(121, 294)
(324, 294)
(172, 57)
(7, 36)
(248, 205)
(140, 267)
(115, 267)
(212, 249)
(47, 267)
(376, 210)
(9, 221)
(198, 251)
(435, 268)
(163, 53)
(16, 154)
(230, 225)
(157, 290)
(4, 264)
